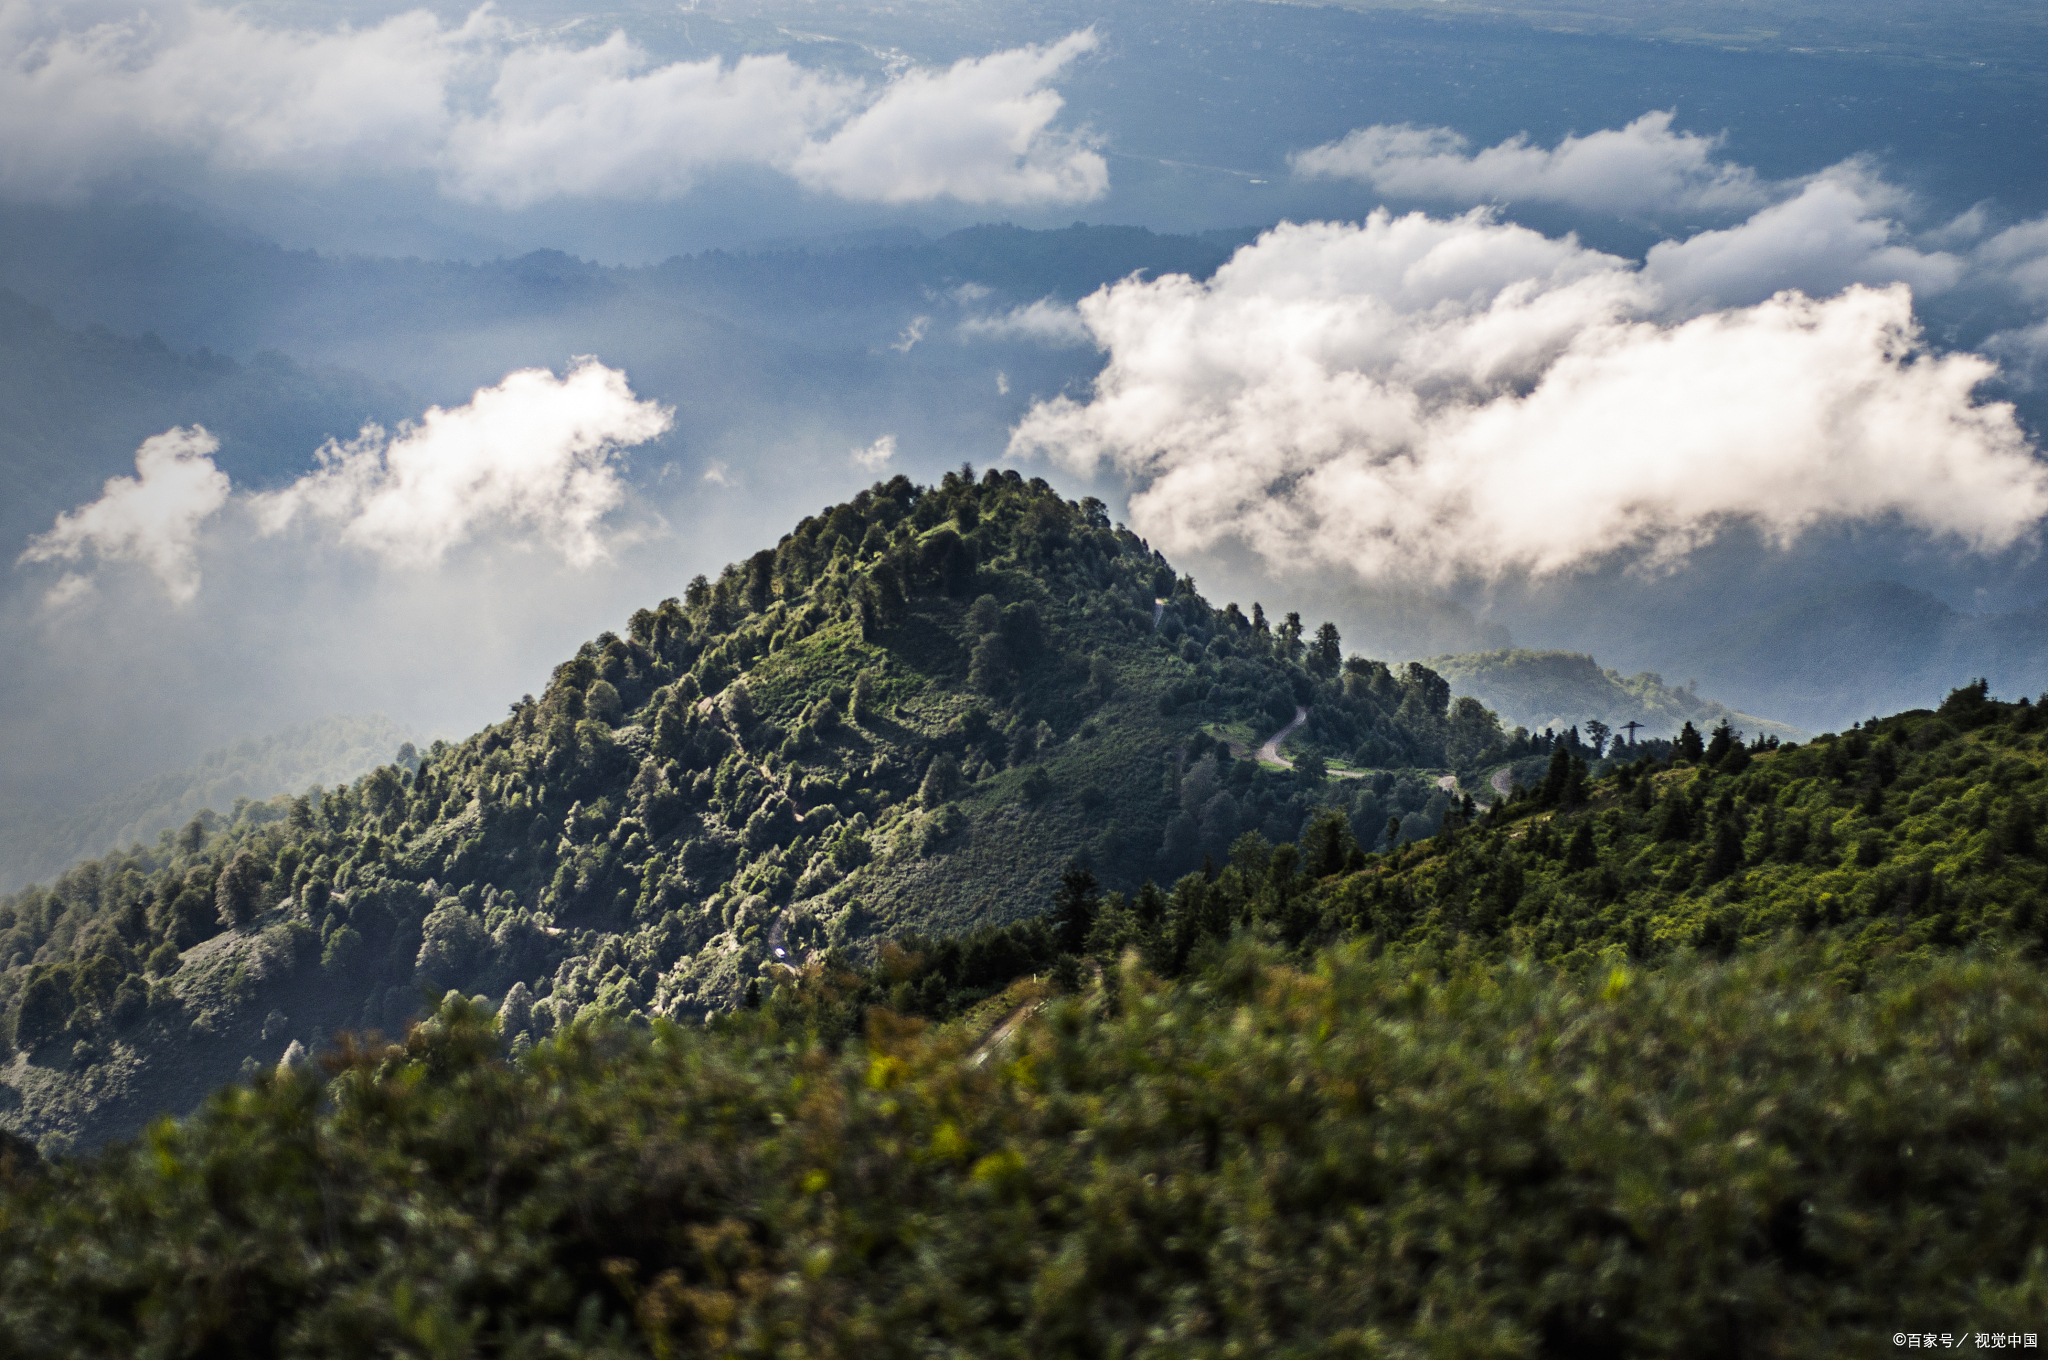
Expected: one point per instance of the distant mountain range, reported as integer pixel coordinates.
(1538, 690)
(42, 840)
(1839, 656)
(79, 401)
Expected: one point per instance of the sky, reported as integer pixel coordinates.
(1597, 339)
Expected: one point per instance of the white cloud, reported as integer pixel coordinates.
(1644, 168)
(1429, 398)
(875, 456)
(1832, 234)
(594, 122)
(535, 452)
(91, 91)
(980, 131)
(2018, 257)
(152, 518)
(912, 333)
(86, 90)
(1045, 322)
(719, 473)
(1818, 234)
(2023, 352)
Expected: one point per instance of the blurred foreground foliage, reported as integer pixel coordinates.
(1355, 1156)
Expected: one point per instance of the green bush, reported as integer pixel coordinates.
(1707, 1160)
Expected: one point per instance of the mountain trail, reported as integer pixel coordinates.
(1001, 1034)
(1270, 752)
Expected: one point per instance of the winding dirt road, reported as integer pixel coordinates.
(1270, 752)
(1011, 1024)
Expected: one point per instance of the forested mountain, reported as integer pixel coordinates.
(1085, 1028)
(46, 838)
(906, 717)
(1887, 845)
(1537, 690)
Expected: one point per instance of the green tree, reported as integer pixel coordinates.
(343, 950)
(988, 669)
(941, 781)
(1689, 746)
(1326, 655)
(44, 1011)
(761, 580)
(1101, 676)
(1290, 637)
(1581, 852)
(1724, 856)
(985, 615)
(1723, 740)
(238, 894)
(601, 701)
(1074, 907)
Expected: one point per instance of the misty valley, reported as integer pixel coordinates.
(1135, 680)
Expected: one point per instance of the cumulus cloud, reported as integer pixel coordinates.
(1833, 233)
(152, 518)
(1045, 322)
(876, 456)
(93, 90)
(535, 453)
(1423, 398)
(1644, 168)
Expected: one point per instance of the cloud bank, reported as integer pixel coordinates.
(1432, 399)
(1644, 168)
(533, 457)
(152, 518)
(94, 91)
